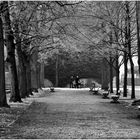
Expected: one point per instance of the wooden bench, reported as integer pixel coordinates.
(115, 98)
(105, 94)
(51, 89)
(138, 107)
(136, 104)
(93, 90)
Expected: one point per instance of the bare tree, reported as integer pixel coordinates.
(128, 41)
(15, 95)
(138, 30)
(3, 100)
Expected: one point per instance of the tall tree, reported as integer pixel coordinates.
(15, 95)
(111, 73)
(138, 30)
(3, 100)
(128, 39)
(125, 74)
(21, 64)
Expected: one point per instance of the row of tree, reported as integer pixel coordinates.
(105, 31)
(111, 31)
(120, 30)
(25, 25)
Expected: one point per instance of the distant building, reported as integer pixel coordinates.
(136, 75)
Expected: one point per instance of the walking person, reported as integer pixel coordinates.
(93, 85)
(77, 81)
(71, 82)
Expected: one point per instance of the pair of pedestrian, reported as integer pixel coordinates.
(74, 82)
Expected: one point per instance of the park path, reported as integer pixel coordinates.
(75, 114)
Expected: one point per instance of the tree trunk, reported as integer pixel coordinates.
(42, 74)
(138, 30)
(56, 71)
(38, 75)
(15, 95)
(117, 74)
(21, 65)
(125, 57)
(34, 79)
(105, 73)
(111, 75)
(3, 101)
(132, 79)
(22, 76)
(129, 49)
(28, 77)
(27, 64)
(125, 75)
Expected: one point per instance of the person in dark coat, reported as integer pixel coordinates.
(71, 82)
(77, 80)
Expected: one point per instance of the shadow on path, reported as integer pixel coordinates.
(75, 114)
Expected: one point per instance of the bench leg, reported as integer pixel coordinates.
(115, 102)
(105, 97)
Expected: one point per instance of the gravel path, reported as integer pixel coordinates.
(75, 114)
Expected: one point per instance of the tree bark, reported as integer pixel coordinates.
(38, 75)
(15, 95)
(125, 75)
(34, 75)
(42, 74)
(21, 64)
(111, 75)
(105, 73)
(111, 65)
(22, 74)
(3, 100)
(56, 70)
(117, 74)
(132, 79)
(125, 58)
(138, 31)
(27, 64)
(129, 50)
(28, 77)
